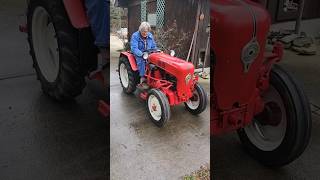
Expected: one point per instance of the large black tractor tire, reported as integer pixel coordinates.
(52, 38)
(128, 78)
(158, 107)
(279, 134)
(198, 103)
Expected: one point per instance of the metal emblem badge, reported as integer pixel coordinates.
(251, 50)
(249, 53)
(188, 78)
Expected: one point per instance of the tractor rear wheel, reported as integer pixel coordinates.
(158, 107)
(128, 78)
(198, 102)
(54, 49)
(279, 134)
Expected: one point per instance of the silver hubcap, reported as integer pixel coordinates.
(268, 129)
(194, 102)
(45, 44)
(154, 107)
(124, 75)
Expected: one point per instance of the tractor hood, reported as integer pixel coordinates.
(172, 65)
(239, 30)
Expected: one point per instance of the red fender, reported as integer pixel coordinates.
(132, 60)
(77, 13)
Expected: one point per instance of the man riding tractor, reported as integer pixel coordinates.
(142, 40)
(65, 37)
(164, 80)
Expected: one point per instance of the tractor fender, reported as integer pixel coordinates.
(77, 13)
(132, 60)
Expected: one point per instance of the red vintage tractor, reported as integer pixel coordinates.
(62, 48)
(171, 81)
(250, 93)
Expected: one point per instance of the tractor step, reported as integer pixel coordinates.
(143, 87)
(142, 93)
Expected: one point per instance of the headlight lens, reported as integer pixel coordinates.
(172, 53)
(145, 55)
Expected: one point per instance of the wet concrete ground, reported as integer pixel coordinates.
(40, 138)
(140, 150)
(229, 158)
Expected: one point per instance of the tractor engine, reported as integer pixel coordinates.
(239, 30)
(159, 73)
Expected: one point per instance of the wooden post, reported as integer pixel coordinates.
(194, 37)
(193, 57)
(299, 18)
(206, 53)
(191, 45)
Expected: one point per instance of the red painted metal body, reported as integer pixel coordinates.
(173, 76)
(183, 72)
(131, 59)
(236, 94)
(76, 12)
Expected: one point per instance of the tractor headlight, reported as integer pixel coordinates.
(188, 78)
(145, 55)
(172, 53)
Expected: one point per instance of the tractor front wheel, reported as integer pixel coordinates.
(198, 102)
(158, 107)
(279, 134)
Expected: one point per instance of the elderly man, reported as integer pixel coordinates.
(141, 41)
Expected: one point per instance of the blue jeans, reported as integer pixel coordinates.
(141, 63)
(98, 14)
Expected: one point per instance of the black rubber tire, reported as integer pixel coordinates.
(203, 100)
(165, 107)
(132, 75)
(70, 80)
(299, 123)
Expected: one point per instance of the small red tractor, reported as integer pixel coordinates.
(171, 82)
(62, 48)
(250, 93)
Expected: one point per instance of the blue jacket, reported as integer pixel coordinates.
(137, 43)
(98, 14)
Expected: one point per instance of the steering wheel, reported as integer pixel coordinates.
(149, 51)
